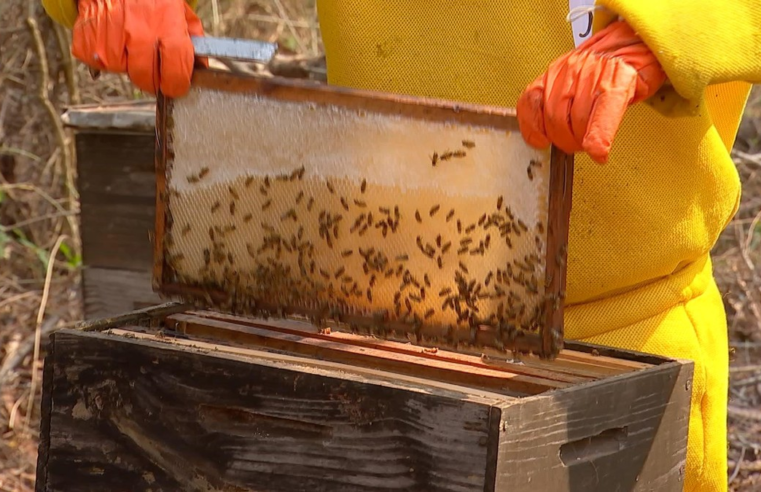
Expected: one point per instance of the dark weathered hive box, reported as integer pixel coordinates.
(168, 399)
(116, 182)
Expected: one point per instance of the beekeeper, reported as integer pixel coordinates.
(667, 78)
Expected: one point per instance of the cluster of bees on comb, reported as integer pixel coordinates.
(353, 252)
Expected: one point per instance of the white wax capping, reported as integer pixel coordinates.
(242, 134)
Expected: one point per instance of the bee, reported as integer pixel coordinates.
(446, 247)
(339, 272)
(459, 153)
(193, 179)
(330, 187)
(206, 256)
(363, 186)
(232, 208)
(249, 180)
(216, 206)
(344, 204)
(445, 292)
(402, 258)
(463, 267)
(428, 314)
(297, 173)
(439, 262)
(434, 159)
(299, 197)
(499, 203)
(203, 172)
(459, 227)
(310, 204)
(540, 227)
(267, 181)
(266, 205)
(446, 156)
(369, 295)
(360, 203)
(247, 218)
(417, 217)
(233, 193)
(450, 215)
(346, 253)
(468, 144)
(433, 210)
(426, 280)
(530, 173)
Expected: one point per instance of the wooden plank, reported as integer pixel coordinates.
(500, 381)
(295, 90)
(133, 116)
(628, 432)
(116, 181)
(110, 292)
(561, 184)
(304, 328)
(145, 415)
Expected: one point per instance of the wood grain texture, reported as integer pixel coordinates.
(627, 433)
(109, 292)
(558, 223)
(116, 181)
(129, 414)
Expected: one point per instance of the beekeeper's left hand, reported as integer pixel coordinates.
(580, 101)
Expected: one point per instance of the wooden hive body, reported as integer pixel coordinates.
(169, 399)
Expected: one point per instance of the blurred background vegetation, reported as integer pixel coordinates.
(39, 238)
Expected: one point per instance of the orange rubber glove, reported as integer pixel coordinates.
(147, 39)
(578, 104)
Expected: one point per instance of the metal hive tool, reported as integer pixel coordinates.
(394, 216)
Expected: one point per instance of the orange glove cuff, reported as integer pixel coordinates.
(579, 102)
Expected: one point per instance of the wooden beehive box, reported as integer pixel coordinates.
(117, 196)
(171, 399)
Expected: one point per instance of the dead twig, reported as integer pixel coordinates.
(60, 135)
(38, 328)
(13, 360)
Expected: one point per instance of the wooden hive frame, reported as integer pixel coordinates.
(547, 341)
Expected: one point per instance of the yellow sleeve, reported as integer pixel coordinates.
(64, 12)
(699, 42)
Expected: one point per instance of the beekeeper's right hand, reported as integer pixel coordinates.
(147, 39)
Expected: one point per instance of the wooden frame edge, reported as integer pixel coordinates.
(561, 194)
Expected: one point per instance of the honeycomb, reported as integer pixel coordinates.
(322, 207)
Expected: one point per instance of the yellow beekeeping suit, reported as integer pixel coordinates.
(642, 226)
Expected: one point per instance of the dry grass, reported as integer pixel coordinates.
(39, 211)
